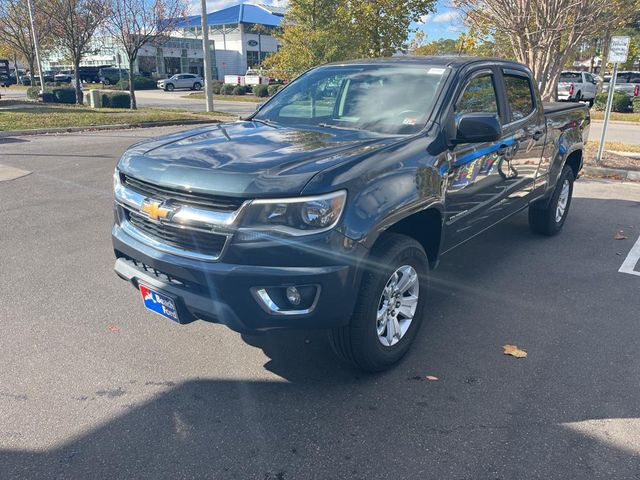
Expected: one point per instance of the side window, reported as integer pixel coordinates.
(519, 95)
(478, 96)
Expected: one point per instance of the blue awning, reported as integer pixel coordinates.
(240, 13)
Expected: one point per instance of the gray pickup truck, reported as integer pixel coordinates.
(330, 206)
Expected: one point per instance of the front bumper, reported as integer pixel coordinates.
(226, 292)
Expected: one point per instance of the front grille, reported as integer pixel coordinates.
(213, 202)
(185, 239)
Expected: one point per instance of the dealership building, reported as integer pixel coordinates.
(241, 36)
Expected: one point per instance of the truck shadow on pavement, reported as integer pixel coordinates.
(570, 410)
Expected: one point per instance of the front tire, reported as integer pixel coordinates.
(548, 219)
(169, 87)
(389, 308)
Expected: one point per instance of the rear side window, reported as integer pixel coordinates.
(570, 77)
(519, 95)
(478, 96)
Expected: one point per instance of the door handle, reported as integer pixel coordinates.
(537, 135)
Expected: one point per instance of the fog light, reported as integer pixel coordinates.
(293, 295)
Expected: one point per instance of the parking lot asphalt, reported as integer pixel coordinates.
(94, 386)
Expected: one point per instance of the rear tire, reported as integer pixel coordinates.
(373, 341)
(197, 86)
(547, 218)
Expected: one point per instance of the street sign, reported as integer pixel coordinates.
(618, 49)
(618, 52)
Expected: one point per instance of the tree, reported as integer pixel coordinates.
(16, 33)
(136, 23)
(320, 31)
(543, 34)
(73, 24)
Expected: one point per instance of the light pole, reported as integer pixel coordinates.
(208, 87)
(35, 45)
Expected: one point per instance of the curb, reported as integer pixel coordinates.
(95, 128)
(634, 155)
(603, 172)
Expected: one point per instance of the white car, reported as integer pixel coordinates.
(181, 80)
(627, 82)
(577, 87)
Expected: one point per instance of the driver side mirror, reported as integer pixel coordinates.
(477, 127)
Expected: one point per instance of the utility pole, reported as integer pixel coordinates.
(206, 52)
(35, 45)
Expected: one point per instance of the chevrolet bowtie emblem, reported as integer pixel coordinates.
(155, 210)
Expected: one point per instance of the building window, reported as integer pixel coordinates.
(172, 65)
(253, 59)
(147, 66)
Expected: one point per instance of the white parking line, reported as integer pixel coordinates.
(629, 264)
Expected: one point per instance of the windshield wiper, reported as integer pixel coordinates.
(339, 127)
(265, 122)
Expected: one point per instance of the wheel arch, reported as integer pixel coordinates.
(424, 226)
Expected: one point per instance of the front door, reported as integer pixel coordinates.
(474, 183)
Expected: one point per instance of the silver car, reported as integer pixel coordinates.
(181, 80)
(627, 82)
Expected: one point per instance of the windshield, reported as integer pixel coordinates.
(377, 98)
(570, 77)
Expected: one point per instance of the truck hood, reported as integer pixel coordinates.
(244, 158)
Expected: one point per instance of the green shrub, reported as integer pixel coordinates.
(227, 89)
(140, 83)
(621, 102)
(636, 105)
(260, 90)
(116, 100)
(216, 88)
(63, 95)
(273, 89)
(53, 94)
(239, 90)
(33, 93)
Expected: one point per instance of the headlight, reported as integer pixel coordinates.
(293, 216)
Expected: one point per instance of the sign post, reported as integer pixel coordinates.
(206, 60)
(618, 51)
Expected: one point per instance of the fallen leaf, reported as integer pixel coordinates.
(113, 329)
(514, 351)
(620, 236)
(431, 378)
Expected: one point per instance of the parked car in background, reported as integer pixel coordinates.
(626, 82)
(181, 80)
(577, 87)
(91, 74)
(112, 75)
(5, 73)
(255, 77)
(63, 76)
(49, 76)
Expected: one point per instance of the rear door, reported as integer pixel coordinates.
(524, 133)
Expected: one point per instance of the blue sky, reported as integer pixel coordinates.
(444, 23)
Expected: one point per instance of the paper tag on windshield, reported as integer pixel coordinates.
(435, 71)
(409, 121)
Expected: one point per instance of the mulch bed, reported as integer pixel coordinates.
(610, 160)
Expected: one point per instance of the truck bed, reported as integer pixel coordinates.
(556, 107)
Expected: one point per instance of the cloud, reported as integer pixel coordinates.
(444, 17)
